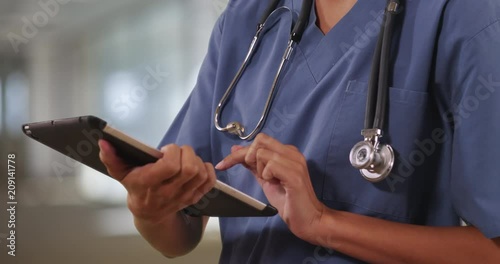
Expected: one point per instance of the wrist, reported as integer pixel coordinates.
(157, 220)
(324, 230)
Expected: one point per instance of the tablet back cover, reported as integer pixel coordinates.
(77, 138)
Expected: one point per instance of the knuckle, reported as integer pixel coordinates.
(196, 197)
(190, 169)
(303, 160)
(187, 148)
(170, 147)
(142, 173)
(293, 148)
(274, 156)
(186, 199)
(210, 179)
(209, 184)
(170, 167)
(167, 194)
(270, 164)
(139, 180)
(259, 153)
(260, 137)
(251, 155)
(209, 168)
(248, 159)
(301, 168)
(202, 177)
(213, 178)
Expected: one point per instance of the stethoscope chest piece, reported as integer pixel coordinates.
(373, 159)
(236, 128)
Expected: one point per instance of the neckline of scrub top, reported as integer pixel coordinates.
(323, 51)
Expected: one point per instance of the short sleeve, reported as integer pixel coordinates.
(475, 172)
(193, 123)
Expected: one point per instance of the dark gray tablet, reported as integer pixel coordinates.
(77, 138)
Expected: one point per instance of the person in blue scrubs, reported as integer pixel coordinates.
(443, 122)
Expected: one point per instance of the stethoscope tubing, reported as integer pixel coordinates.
(295, 37)
(377, 96)
(374, 159)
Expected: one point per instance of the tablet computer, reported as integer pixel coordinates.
(77, 138)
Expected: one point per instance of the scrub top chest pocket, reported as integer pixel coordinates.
(407, 121)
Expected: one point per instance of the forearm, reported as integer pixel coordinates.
(380, 241)
(175, 236)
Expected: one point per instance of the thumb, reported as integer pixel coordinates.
(117, 169)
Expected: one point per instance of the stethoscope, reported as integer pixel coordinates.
(373, 158)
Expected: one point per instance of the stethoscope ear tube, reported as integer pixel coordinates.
(371, 96)
(383, 80)
(301, 24)
(234, 127)
(268, 11)
(373, 159)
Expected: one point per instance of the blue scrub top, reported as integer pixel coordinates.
(444, 119)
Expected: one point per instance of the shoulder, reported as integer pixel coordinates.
(467, 18)
(246, 8)
(251, 10)
(251, 4)
(239, 21)
(455, 19)
(242, 16)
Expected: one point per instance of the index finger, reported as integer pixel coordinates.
(236, 157)
(117, 169)
(263, 140)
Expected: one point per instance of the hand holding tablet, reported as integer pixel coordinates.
(176, 173)
(178, 179)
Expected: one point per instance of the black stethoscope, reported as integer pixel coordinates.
(373, 158)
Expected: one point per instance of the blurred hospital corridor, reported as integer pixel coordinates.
(65, 58)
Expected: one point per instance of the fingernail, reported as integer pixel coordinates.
(220, 165)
